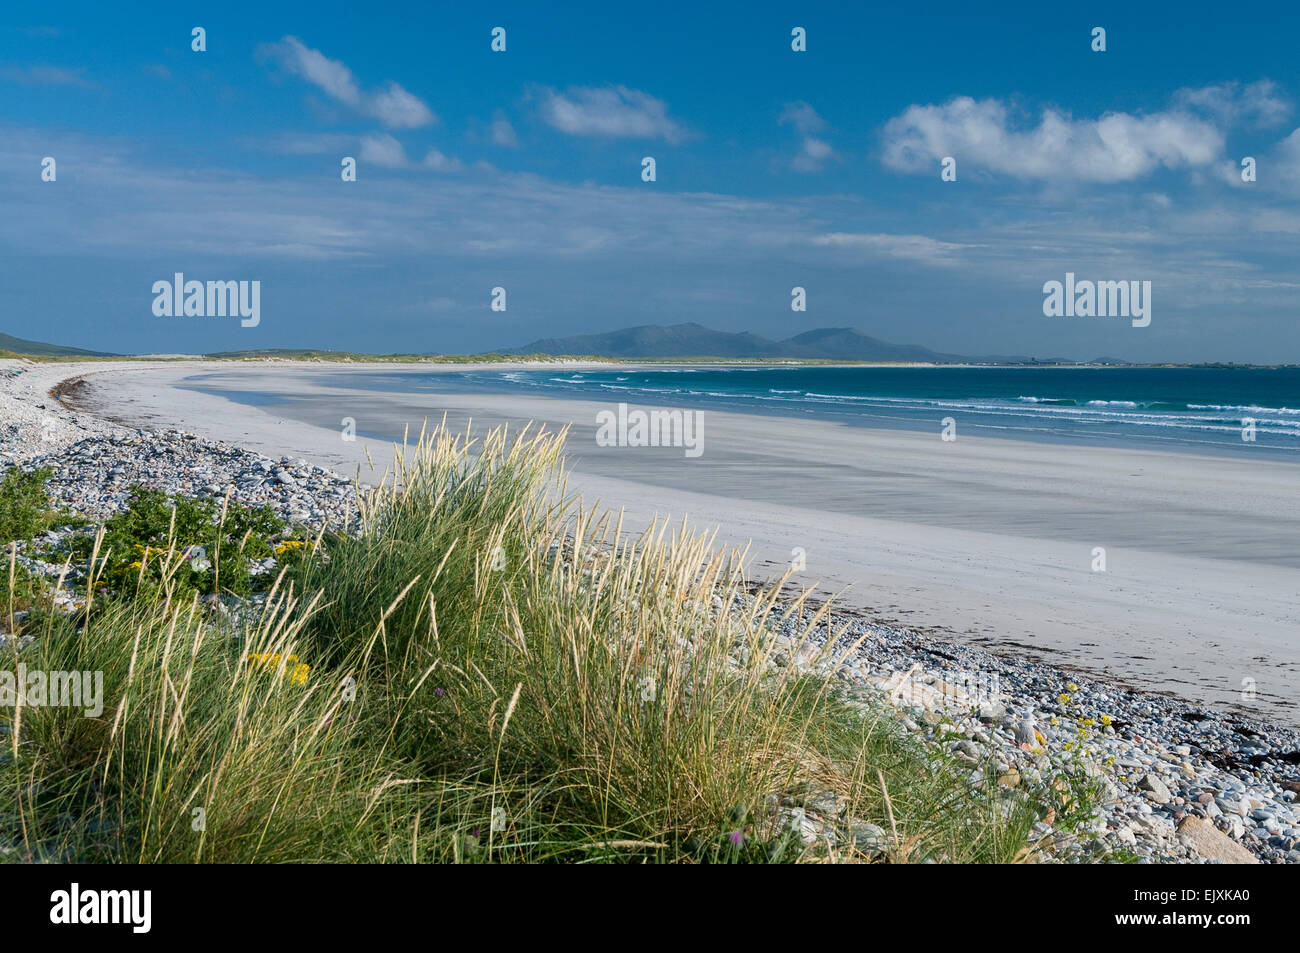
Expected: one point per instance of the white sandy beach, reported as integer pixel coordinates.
(985, 540)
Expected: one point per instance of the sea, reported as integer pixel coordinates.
(1223, 410)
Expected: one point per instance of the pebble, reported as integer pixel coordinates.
(182, 463)
(1156, 761)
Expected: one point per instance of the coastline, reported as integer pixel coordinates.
(1167, 762)
(937, 546)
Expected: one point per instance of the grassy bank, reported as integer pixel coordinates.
(483, 672)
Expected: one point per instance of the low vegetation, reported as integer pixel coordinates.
(25, 511)
(484, 672)
(218, 545)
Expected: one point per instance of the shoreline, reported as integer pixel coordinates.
(1170, 760)
(987, 430)
(955, 572)
(94, 406)
(948, 554)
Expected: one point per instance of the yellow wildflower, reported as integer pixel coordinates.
(293, 669)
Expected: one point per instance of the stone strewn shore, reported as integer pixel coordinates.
(96, 463)
(94, 477)
(1179, 784)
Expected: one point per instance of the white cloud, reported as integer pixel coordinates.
(1257, 104)
(383, 150)
(438, 162)
(314, 66)
(1117, 147)
(1283, 164)
(43, 76)
(393, 106)
(398, 109)
(812, 155)
(803, 117)
(814, 152)
(380, 149)
(130, 201)
(611, 111)
(503, 134)
(920, 248)
(302, 143)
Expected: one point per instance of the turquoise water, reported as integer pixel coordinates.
(1157, 408)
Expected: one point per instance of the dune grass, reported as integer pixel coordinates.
(484, 672)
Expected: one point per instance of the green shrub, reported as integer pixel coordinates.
(199, 544)
(25, 510)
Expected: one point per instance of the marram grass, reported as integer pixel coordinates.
(484, 672)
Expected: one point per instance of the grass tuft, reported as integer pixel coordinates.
(485, 671)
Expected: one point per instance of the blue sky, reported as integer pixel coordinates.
(774, 169)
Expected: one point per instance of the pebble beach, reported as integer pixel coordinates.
(1179, 783)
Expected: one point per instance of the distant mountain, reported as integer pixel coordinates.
(851, 344)
(38, 349)
(655, 340)
(695, 340)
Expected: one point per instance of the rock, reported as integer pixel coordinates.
(214, 605)
(800, 824)
(1155, 789)
(1025, 732)
(1232, 824)
(992, 713)
(1009, 779)
(825, 803)
(867, 838)
(1212, 844)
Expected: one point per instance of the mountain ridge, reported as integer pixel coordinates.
(697, 341)
(40, 349)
